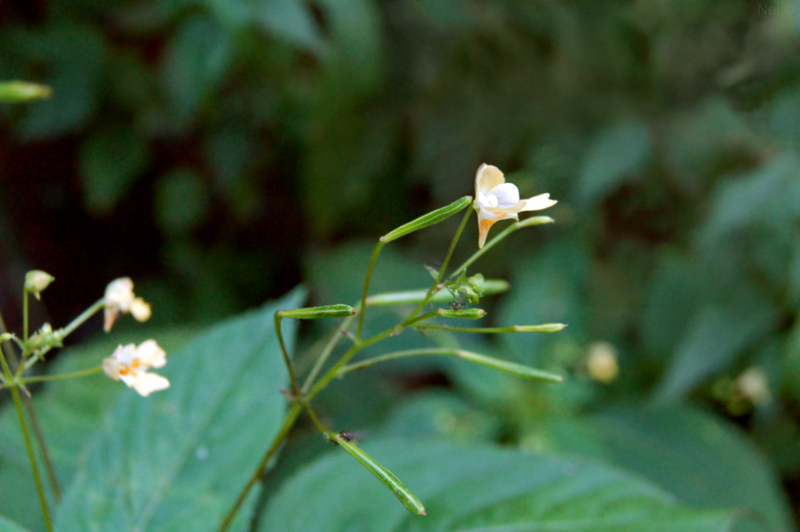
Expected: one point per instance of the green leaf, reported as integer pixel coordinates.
(70, 413)
(466, 488)
(6, 525)
(177, 459)
(617, 155)
(289, 20)
(699, 458)
(111, 159)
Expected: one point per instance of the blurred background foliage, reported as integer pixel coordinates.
(222, 151)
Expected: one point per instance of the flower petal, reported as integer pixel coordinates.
(141, 309)
(151, 355)
(487, 178)
(537, 203)
(506, 212)
(148, 383)
(507, 194)
(484, 224)
(111, 367)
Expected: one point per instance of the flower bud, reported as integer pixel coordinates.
(36, 281)
(602, 362)
(141, 310)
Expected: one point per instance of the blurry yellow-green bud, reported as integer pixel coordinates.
(23, 91)
(36, 281)
(602, 362)
(754, 385)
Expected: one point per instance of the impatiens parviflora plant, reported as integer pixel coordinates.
(129, 364)
(495, 200)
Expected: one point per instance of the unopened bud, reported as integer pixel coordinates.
(141, 310)
(36, 281)
(754, 385)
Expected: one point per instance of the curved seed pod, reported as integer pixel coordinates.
(314, 313)
(384, 475)
(427, 220)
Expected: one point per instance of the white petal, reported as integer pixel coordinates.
(150, 354)
(125, 354)
(487, 177)
(119, 293)
(507, 194)
(140, 309)
(537, 203)
(111, 367)
(148, 383)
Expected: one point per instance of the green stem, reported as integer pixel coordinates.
(502, 365)
(80, 320)
(288, 423)
(24, 315)
(73, 375)
(439, 276)
(28, 445)
(362, 309)
(316, 421)
(537, 220)
(323, 357)
(546, 328)
(295, 389)
(48, 462)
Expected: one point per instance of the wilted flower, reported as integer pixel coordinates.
(498, 200)
(119, 298)
(36, 281)
(130, 364)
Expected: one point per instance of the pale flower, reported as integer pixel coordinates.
(119, 299)
(130, 364)
(498, 200)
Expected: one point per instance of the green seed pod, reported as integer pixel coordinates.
(315, 313)
(467, 314)
(429, 219)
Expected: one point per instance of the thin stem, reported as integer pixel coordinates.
(537, 220)
(24, 315)
(323, 357)
(394, 356)
(317, 422)
(439, 276)
(295, 389)
(28, 445)
(362, 309)
(73, 375)
(288, 423)
(546, 328)
(37, 430)
(80, 320)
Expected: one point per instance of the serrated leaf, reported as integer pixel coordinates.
(467, 488)
(177, 459)
(70, 413)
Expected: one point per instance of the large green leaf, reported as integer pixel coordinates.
(697, 457)
(177, 459)
(466, 488)
(69, 413)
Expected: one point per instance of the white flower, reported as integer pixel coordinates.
(36, 281)
(498, 200)
(119, 299)
(130, 364)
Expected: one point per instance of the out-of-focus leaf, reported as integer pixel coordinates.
(177, 459)
(617, 155)
(704, 462)
(714, 339)
(111, 159)
(231, 152)
(439, 414)
(75, 57)
(467, 488)
(769, 195)
(181, 201)
(6, 525)
(70, 413)
(193, 65)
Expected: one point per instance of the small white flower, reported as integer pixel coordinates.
(130, 364)
(498, 200)
(120, 299)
